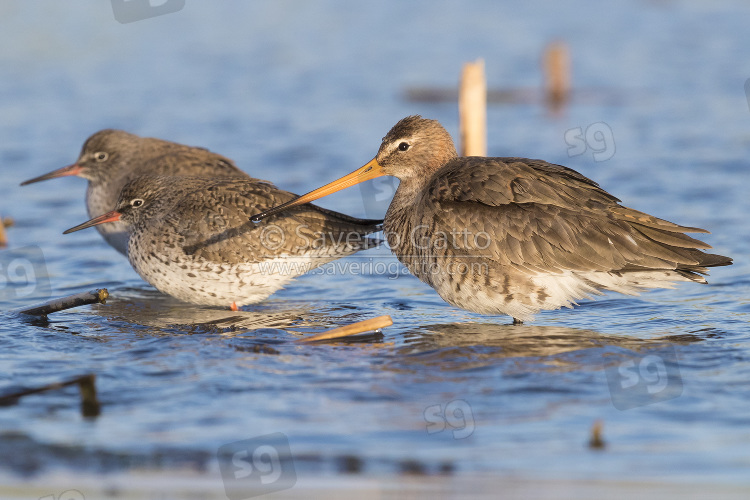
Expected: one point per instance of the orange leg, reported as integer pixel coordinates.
(234, 307)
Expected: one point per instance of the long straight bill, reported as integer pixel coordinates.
(112, 216)
(73, 169)
(370, 171)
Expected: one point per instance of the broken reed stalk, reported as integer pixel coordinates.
(556, 67)
(597, 442)
(90, 406)
(98, 296)
(4, 222)
(353, 329)
(472, 109)
(556, 74)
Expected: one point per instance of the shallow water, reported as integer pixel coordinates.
(300, 94)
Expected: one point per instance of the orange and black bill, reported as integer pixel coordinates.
(112, 216)
(73, 169)
(370, 171)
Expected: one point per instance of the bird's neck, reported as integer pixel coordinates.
(398, 218)
(405, 197)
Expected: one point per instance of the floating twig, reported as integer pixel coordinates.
(434, 95)
(90, 406)
(353, 329)
(98, 296)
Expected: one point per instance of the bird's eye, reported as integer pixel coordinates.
(403, 146)
(136, 202)
(101, 156)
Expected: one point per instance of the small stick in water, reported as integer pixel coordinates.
(353, 329)
(597, 442)
(98, 296)
(6, 222)
(90, 406)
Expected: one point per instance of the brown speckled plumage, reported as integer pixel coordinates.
(110, 158)
(516, 235)
(191, 237)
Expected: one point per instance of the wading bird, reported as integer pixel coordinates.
(514, 235)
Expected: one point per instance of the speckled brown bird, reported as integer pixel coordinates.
(514, 235)
(110, 158)
(191, 237)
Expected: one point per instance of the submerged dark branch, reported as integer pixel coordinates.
(90, 406)
(98, 296)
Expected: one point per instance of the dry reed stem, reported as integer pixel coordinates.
(556, 67)
(353, 329)
(472, 109)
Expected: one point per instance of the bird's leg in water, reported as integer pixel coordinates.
(234, 307)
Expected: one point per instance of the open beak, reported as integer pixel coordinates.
(370, 171)
(73, 169)
(112, 216)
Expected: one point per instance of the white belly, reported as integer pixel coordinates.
(203, 282)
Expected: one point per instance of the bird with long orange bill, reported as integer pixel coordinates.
(514, 235)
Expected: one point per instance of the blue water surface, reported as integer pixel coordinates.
(301, 93)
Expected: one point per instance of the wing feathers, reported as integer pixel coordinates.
(547, 218)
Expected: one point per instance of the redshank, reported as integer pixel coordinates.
(111, 158)
(514, 235)
(191, 237)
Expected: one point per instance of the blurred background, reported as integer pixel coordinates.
(300, 93)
